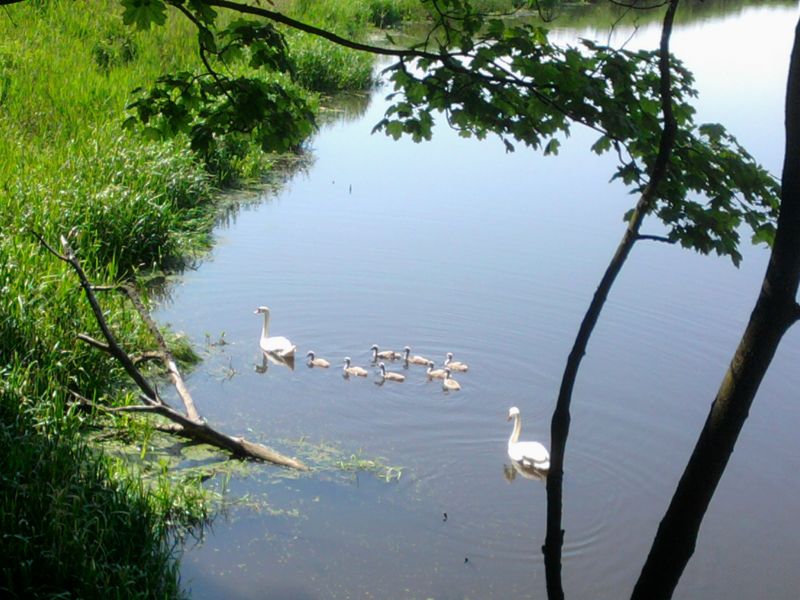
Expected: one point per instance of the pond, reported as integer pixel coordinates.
(456, 246)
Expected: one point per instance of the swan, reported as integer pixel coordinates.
(390, 375)
(528, 454)
(278, 344)
(415, 360)
(316, 362)
(455, 365)
(390, 354)
(449, 384)
(347, 370)
(435, 373)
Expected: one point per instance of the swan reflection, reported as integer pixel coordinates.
(269, 357)
(511, 470)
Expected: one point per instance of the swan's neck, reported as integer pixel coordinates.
(265, 328)
(516, 431)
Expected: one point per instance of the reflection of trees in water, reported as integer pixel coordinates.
(344, 108)
(603, 15)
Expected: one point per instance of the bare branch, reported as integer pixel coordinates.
(654, 238)
(191, 426)
(93, 342)
(113, 346)
(166, 356)
(146, 356)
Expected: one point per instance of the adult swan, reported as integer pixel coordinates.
(277, 345)
(527, 454)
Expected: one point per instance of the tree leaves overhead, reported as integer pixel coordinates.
(515, 83)
(484, 75)
(257, 101)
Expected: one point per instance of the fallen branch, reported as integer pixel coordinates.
(191, 425)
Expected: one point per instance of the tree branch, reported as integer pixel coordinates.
(93, 342)
(113, 346)
(654, 238)
(332, 37)
(191, 426)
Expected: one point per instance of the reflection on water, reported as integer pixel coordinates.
(268, 358)
(455, 246)
(512, 469)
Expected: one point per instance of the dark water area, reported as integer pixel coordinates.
(454, 245)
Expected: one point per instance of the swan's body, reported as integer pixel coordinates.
(278, 344)
(313, 361)
(435, 373)
(390, 375)
(454, 365)
(347, 370)
(415, 360)
(449, 384)
(385, 354)
(528, 454)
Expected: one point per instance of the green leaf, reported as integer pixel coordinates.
(551, 147)
(144, 13)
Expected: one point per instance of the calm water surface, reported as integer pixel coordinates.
(454, 245)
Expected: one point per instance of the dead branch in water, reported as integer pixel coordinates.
(190, 425)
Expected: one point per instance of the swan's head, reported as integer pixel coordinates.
(347, 361)
(374, 347)
(310, 354)
(449, 356)
(447, 372)
(513, 413)
(407, 349)
(382, 367)
(261, 309)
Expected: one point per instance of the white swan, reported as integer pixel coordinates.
(415, 360)
(435, 373)
(278, 344)
(528, 454)
(385, 354)
(390, 375)
(449, 384)
(316, 362)
(347, 370)
(455, 365)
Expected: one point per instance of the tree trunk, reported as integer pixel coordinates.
(559, 428)
(775, 311)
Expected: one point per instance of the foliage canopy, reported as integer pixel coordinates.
(485, 74)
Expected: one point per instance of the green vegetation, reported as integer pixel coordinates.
(89, 521)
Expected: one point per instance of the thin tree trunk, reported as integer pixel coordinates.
(559, 428)
(775, 311)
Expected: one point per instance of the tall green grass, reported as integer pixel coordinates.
(72, 522)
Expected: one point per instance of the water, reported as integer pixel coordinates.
(454, 245)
